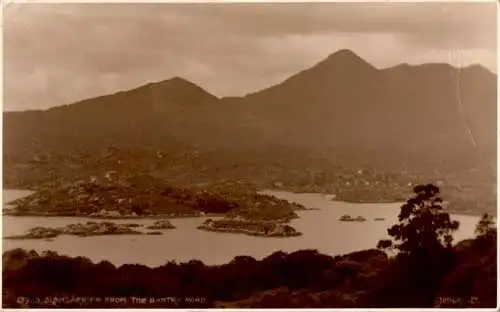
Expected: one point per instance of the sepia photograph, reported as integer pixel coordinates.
(257, 155)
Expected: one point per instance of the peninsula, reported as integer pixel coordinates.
(114, 196)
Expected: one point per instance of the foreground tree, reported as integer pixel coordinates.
(423, 228)
(486, 227)
(486, 232)
(422, 239)
(474, 275)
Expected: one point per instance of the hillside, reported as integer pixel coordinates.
(343, 104)
(120, 195)
(432, 121)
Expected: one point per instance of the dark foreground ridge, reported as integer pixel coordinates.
(303, 279)
(427, 271)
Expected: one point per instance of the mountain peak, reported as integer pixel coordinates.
(346, 53)
(177, 79)
(181, 89)
(479, 69)
(176, 82)
(346, 59)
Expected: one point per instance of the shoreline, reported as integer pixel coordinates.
(241, 232)
(350, 201)
(272, 192)
(450, 211)
(156, 217)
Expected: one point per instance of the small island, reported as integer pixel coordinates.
(154, 233)
(253, 228)
(161, 225)
(89, 228)
(348, 218)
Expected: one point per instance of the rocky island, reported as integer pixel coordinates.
(161, 225)
(349, 218)
(89, 228)
(254, 228)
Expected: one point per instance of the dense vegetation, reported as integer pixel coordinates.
(427, 271)
(235, 174)
(129, 195)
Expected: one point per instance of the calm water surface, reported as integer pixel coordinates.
(320, 229)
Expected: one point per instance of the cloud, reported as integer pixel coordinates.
(467, 24)
(59, 53)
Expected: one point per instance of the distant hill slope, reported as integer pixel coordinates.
(345, 104)
(342, 111)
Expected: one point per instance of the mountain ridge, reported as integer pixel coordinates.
(337, 57)
(314, 132)
(399, 118)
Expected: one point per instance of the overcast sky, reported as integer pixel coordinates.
(59, 53)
